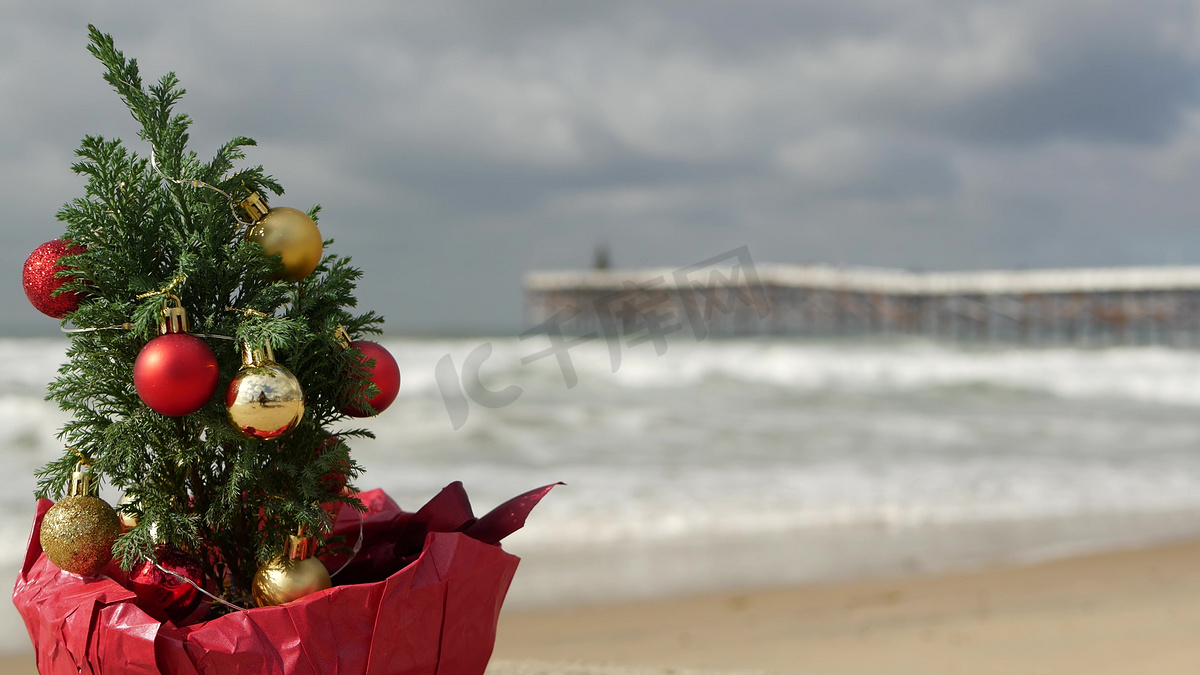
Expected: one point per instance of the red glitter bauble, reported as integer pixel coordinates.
(164, 596)
(385, 375)
(175, 374)
(40, 282)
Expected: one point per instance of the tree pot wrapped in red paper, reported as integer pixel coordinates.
(421, 597)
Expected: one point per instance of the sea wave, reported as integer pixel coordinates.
(1150, 374)
(761, 437)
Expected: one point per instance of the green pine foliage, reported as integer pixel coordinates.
(193, 481)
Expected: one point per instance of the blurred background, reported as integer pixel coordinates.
(456, 146)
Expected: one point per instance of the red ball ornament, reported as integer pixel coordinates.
(165, 596)
(175, 374)
(385, 375)
(333, 482)
(40, 282)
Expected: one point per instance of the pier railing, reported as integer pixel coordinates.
(1091, 307)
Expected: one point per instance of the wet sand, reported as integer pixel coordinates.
(1125, 612)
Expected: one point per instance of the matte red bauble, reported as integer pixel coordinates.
(40, 282)
(164, 596)
(385, 375)
(175, 374)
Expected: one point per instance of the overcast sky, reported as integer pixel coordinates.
(455, 145)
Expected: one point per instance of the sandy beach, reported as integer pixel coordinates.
(1125, 612)
(1113, 613)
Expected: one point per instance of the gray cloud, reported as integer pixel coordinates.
(456, 144)
(1110, 72)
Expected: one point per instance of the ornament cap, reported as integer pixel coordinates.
(254, 206)
(174, 319)
(257, 356)
(299, 546)
(81, 481)
(342, 336)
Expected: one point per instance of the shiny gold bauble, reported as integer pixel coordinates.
(78, 533)
(283, 580)
(289, 233)
(264, 400)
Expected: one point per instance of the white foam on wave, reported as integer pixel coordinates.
(30, 364)
(711, 438)
(1150, 374)
(723, 503)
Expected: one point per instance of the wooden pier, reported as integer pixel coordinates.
(1089, 307)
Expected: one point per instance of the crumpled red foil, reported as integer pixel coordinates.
(422, 597)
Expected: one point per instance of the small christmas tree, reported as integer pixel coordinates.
(211, 351)
(208, 365)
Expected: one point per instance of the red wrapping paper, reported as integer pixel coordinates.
(422, 597)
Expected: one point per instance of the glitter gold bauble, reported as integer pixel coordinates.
(290, 576)
(79, 531)
(288, 233)
(264, 400)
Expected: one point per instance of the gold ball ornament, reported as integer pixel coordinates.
(79, 531)
(129, 520)
(288, 233)
(264, 400)
(290, 576)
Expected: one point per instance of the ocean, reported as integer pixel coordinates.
(751, 462)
